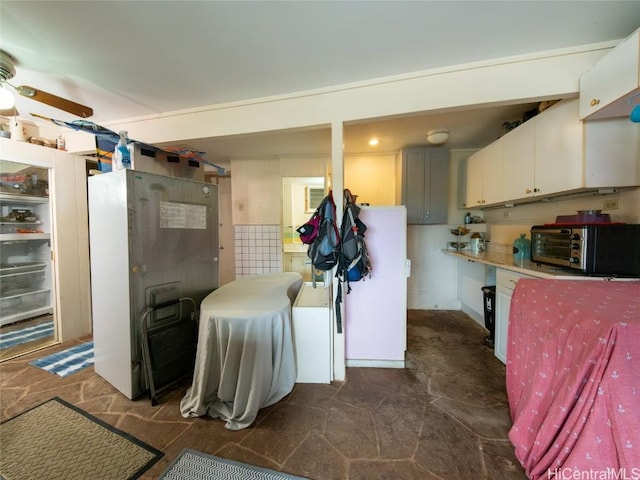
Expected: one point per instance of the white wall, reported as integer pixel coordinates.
(504, 80)
(372, 178)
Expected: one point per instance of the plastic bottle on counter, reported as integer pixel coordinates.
(521, 249)
(121, 155)
(467, 218)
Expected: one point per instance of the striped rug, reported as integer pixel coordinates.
(16, 337)
(194, 465)
(68, 361)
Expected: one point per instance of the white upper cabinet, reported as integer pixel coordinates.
(544, 155)
(612, 153)
(540, 157)
(552, 154)
(518, 161)
(605, 89)
(485, 176)
(558, 149)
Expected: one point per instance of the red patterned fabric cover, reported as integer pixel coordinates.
(573, 378)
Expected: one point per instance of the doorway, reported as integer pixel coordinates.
(300, 197)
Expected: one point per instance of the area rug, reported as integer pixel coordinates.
(193, 465)
(67, 361)
(58, 440)
(27, 334)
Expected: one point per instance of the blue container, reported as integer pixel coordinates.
(521, 249)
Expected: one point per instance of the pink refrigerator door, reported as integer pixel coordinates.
(376, 309)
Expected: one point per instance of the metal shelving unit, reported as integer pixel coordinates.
(25, 244)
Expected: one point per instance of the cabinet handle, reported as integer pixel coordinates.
(478, 202)
(536, 189)
(595, 101)
(528, 190)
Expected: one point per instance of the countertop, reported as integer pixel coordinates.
(502, 260)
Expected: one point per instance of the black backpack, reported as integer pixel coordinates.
(353, 263)
(324, 250)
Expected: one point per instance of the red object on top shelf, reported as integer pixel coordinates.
(583, 219)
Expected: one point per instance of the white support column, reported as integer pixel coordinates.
(337, 186)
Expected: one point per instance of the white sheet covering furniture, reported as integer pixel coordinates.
(245, 359)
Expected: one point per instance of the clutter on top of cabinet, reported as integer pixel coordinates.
(122, 156)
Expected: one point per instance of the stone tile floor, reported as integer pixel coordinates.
(445, 416)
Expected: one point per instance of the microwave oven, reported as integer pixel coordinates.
(596, 249)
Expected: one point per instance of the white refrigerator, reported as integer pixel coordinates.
(375, 312)
(154, 239)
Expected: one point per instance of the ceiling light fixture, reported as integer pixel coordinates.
(373, 142)
(438, 137)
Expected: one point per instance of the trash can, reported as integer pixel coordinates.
(489, 293)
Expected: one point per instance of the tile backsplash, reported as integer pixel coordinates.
(258, 249)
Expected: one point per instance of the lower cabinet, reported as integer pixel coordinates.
(506, 281)
(298, 262)
(312, 340)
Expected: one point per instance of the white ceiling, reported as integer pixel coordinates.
(136, 58)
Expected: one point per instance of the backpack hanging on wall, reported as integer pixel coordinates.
(353, 263)
(322, 235)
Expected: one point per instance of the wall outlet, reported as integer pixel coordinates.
(610, 204)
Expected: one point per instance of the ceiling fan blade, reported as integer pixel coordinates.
(55, 101)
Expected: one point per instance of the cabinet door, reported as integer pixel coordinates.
(474, 180)
(518, 158)
(425, 185)
(437, 185)
(558, 149)
(492, 174)
(612, 158)
(607, 86)
(413, 184)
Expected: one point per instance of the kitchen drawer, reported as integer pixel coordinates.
(507, 279)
